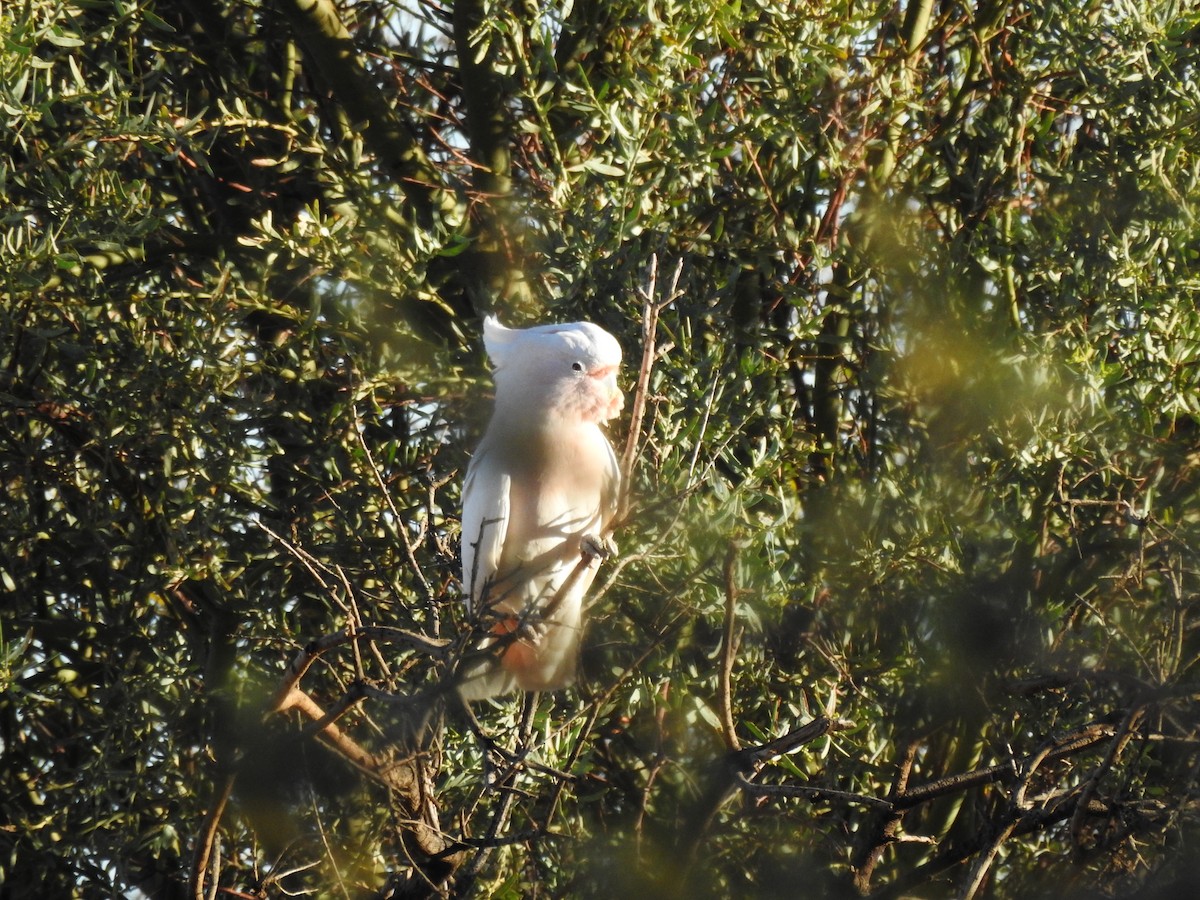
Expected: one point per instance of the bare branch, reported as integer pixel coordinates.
(811, 793)
(729, 641)
(651, 307)
(205, 857)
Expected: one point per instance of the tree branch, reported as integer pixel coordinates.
(434, 856)
(206, 840)
(651, 308)
(729, 641)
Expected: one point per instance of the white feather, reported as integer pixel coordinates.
(544, 477)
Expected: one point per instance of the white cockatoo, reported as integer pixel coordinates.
(540, 494)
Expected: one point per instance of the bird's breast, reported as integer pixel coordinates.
(561, 489)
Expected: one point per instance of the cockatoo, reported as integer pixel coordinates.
(540, 494)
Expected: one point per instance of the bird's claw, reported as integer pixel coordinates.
(596, 547)
(525, 629)
(532, 632)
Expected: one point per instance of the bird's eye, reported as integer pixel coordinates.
(578, 367)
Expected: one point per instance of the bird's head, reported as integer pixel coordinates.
(555, 371)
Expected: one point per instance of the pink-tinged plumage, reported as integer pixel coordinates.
(543, 479)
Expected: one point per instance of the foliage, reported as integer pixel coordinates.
(907, 603)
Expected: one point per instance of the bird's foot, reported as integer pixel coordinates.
(595, 547)
(532, 632)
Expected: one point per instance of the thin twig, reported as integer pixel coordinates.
(729, 642)
(306, 559)
(651, 307)
(355, 617)
(811, 793)
(987, 856)
(470, 871)
(1120, 738)
(409, 549)
(329, 854)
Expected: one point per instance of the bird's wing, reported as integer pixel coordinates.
(486, 512)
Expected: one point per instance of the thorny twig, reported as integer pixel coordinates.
(1022, 815)
(503, 810)
(729, 642)
(410, 553)
(984, 860)
(651, 308)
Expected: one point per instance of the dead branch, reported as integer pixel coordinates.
(434, 855)
(651, 308)
(729, 642)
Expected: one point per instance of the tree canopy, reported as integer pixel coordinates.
(908, 598)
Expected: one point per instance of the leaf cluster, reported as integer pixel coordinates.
(906, 603)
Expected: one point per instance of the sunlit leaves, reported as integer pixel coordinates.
(923, 417)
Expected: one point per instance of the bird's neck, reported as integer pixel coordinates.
(548, 421)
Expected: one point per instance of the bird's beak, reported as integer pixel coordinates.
(607, 376)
